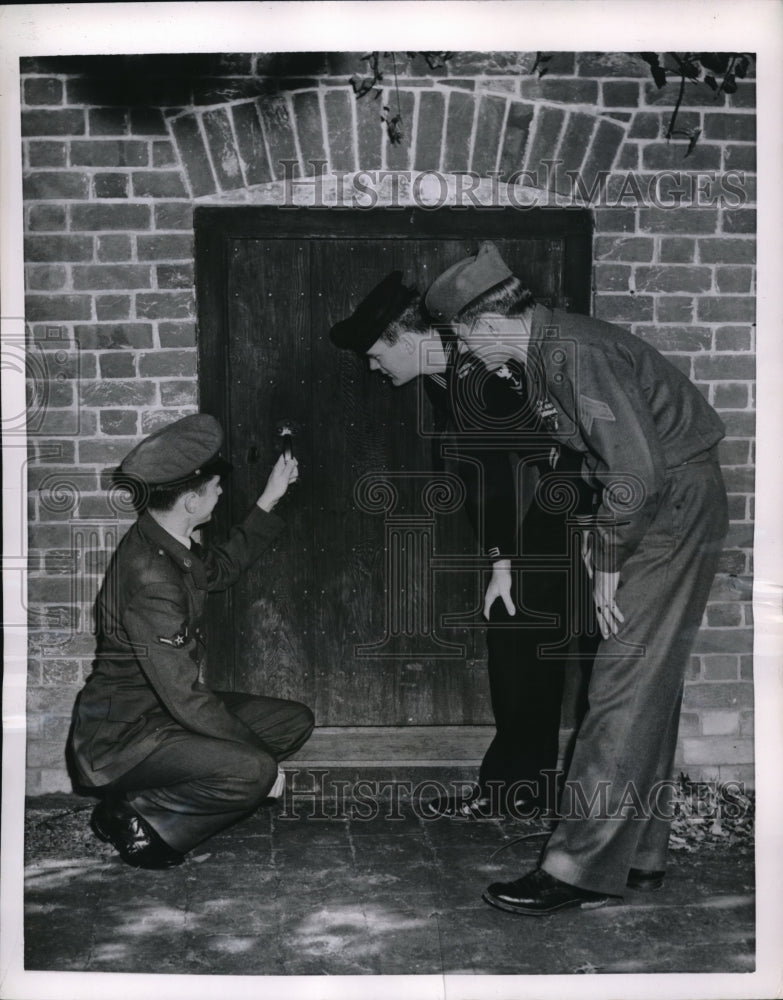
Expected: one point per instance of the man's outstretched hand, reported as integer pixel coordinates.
(284, 472)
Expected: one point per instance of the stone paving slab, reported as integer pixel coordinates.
(299, 896)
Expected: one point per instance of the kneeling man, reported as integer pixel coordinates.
(173, 760)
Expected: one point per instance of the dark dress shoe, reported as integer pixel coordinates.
(539, 893)
(468, 806)
(645, 879)
(115, 822)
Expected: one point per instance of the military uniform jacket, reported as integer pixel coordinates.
(630, 413)
(483, 420)
(148, 678)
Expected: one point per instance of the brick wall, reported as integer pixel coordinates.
(118, 151)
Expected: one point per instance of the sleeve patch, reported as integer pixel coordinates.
(178, 639)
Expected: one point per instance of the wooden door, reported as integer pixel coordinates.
(350, 611)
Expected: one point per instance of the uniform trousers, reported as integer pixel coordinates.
(192, 786)
(616, 806)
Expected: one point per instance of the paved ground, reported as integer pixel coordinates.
(310, 896)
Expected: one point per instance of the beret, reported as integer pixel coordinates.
(464, 281)
(385, 303)
(177, 452)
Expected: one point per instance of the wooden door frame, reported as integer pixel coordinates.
(217, 226)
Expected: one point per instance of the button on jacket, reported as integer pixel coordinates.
(147, 684)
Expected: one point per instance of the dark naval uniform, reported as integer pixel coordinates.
(526, 652)
(148, 732)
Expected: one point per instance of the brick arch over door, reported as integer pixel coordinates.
(240, 145)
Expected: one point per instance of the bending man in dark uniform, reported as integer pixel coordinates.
(474, 414)
(174, 761)
(647, 439)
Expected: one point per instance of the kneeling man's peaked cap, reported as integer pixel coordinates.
(464, 281)
(385, 303)
(175, 453)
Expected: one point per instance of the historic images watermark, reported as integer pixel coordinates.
(520, 189)
(314, 794)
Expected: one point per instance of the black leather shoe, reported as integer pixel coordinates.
(539, 893)
(644, 879)
(115, 822)
(467, 806)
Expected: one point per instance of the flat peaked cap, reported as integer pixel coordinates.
(385, 303)
(464, 281)
(177, 452)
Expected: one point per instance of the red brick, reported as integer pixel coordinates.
(43, 90)
(178, 392)
(726, 695)
(726, 308)
(110, 186)
(165, 305)
(47, 154)
(65, 122)
(673, 278)
(615, 220)
(726, 367)
(731, 127)
(631, 248)
(731, 395)
(740, 220)
(611, 64)
(339, 128)
(548, 127)
(165, 248)
(163, 154)
(734, 338)
(58, 308)
(677, 250)
(612, 277)
(624, 308)
(573, 147)
(492, 111)
(688, 221)
(104, 452)
(109, 153)
(739, 158)
(459, 129)
(430, 129)
(117, 364)
(179, 363)
(114, 247)
(193, 155)
(100, 217)
(177, 334)
(99, 276)
(398, 154)
(309, 128)
(46, 277)
(724, 615)
(151, 420)
(109, 121)
(607, 139)
(176, 215)
(114, 335)
(645, 125)
(723, 250)
(629, 157)
(250, 141)
(733, 279)
(670, 156)
(118, 392)
(120, 422)
(573, 91)
(57, 185)
(147, 121)
(620, 94)
(159, 184)
(676, 338)
(279, 133)
(174, 275)
(109, 307)
(739, 425)
(708, 749)
(47, 218)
